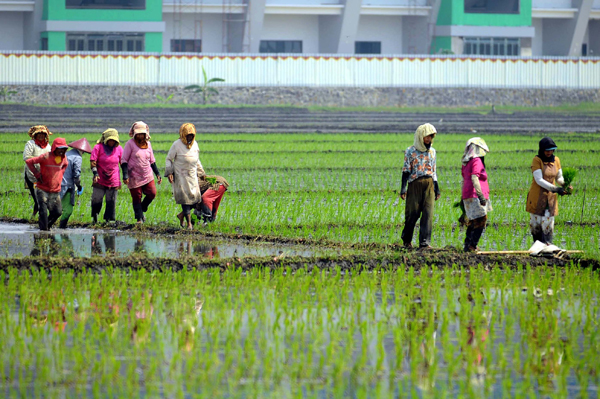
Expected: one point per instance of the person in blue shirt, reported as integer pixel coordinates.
(72, 178)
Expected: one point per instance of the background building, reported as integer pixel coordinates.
(477, 27)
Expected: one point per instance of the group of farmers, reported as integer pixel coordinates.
(53, 175)
(420, 189)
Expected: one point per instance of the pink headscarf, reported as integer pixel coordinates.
(139, 127)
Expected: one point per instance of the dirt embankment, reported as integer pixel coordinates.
(441, 258)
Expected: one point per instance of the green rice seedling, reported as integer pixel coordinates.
(569, 175)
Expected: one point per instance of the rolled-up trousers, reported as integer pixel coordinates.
(420, 201)
(48, 202)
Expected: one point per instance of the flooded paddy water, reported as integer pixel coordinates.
(303, 334)
(232, 310)
(18, 240)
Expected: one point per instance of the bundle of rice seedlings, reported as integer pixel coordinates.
(569, 174)
(463, 219)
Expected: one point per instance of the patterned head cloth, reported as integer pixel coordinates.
(184, 130)
(475, 148)
(109, 134)
(139, 127)
(423, 131)
(33, 130)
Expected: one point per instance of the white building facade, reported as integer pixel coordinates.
(385, 27)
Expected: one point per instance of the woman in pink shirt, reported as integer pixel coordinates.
(138, 163)
(105, 160)
(475, 191)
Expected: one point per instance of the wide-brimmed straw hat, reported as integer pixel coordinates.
(38, 129)
(82, 145)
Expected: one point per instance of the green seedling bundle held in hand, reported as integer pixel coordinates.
(569, 175)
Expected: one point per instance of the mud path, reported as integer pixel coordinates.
(442, 258)
(18, 118)
(197, 250)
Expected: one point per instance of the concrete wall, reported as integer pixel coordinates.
(11, 30)
(537, 45)
(552, 4)
(293, 27)
(328, 31)
(304, 96)
(301, 2)
(594, 33)
(414, 35)
(555, 38)
(210, 31)
(394, 2)
(384, 29)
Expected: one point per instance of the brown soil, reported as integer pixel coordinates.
(436, 258)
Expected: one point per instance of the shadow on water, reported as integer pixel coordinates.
(26, 240)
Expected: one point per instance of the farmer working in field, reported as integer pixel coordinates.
(213, 188)
(38, 145)
(104, 161)
(72, 178)
(542, 201)
(475, 191)
(183, 169)
(138, 164)
(49, 177)
(419, 173)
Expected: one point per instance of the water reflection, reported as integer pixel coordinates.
(24, 240)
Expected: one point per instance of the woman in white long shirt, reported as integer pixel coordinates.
(183, 168)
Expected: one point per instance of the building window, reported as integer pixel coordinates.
(44, 44)
(186, 46)
(105, 42)
(492, 46)
(280, 46)
(492, 6)
(367, 47)
(107, 4)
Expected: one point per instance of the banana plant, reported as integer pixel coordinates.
(206, 91)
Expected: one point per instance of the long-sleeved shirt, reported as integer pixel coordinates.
(108, 165)
(51, 171)
(139, 161)
(419, 164)
(72, 172)
(33, 150)
(183, 163)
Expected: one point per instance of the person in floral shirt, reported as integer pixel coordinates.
(420, 186)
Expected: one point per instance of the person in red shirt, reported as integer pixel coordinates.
(52, 168)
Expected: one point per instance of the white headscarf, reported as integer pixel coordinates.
(475, 148)
(422, 131)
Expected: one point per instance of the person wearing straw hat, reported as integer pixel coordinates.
(38, 145)
(104, 161)
(420, 186)
(138, 164)
(475, 191)
(183, 169)
(542, 201)
(52, 166)
(71, 182)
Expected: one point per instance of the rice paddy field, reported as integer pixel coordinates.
(399, 326)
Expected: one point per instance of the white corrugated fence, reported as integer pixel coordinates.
(149, 69)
